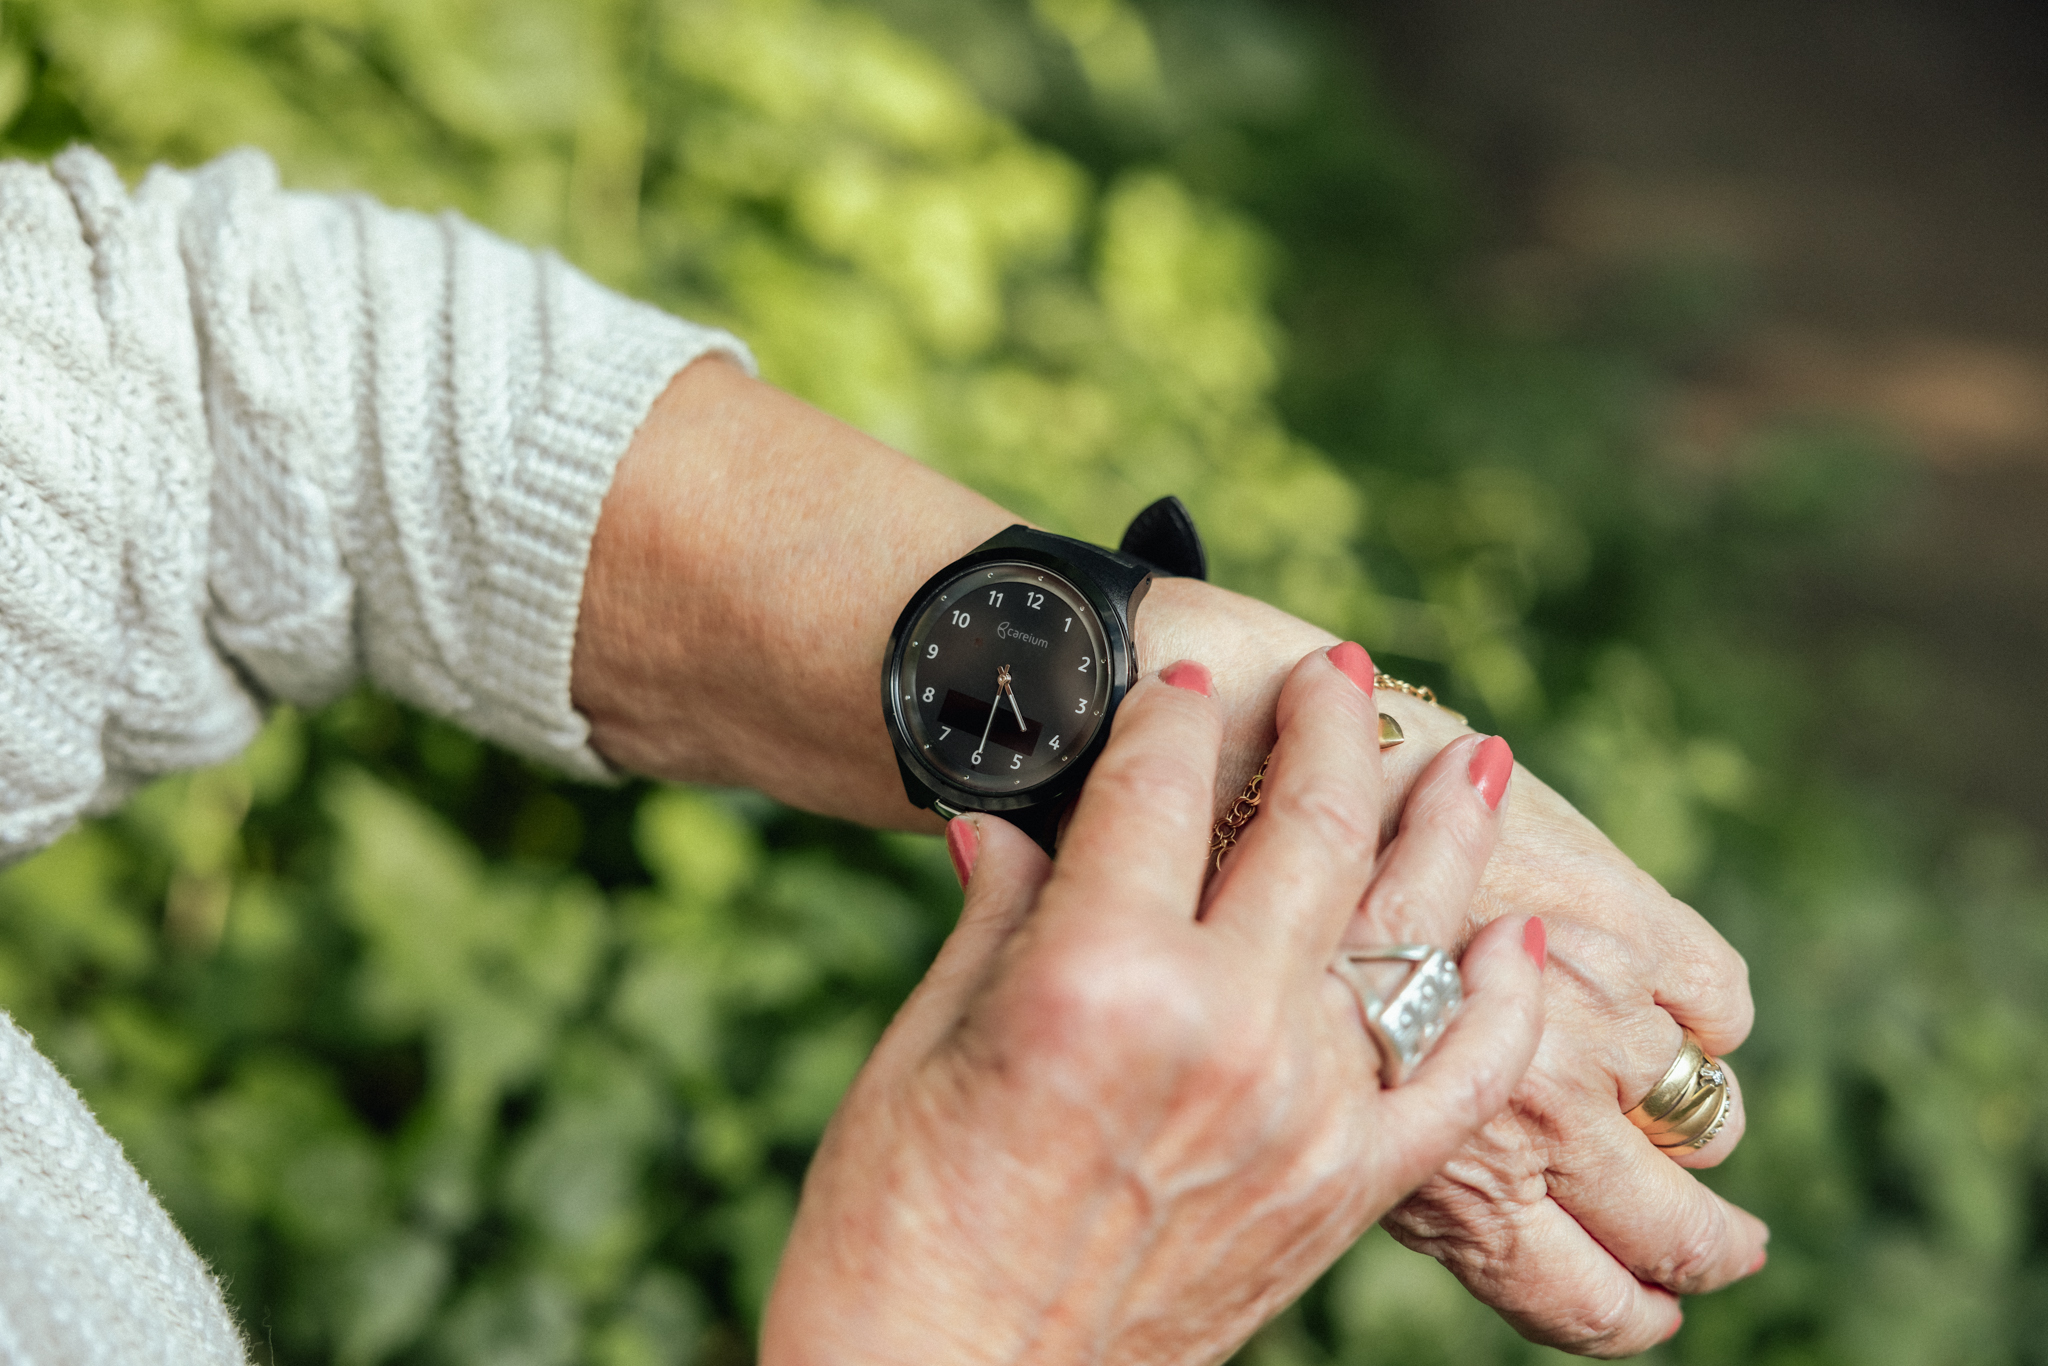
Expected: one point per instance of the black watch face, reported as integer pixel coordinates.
(1004, 677)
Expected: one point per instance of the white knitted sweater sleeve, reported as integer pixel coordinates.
(256, 445)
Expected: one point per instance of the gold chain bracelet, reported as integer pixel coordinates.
(1225, 834)
(1414, 690)
(1237, 817)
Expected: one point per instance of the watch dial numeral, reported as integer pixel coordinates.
(1016, 762)
(995, 599)
(1068, 627)
(930, 693)
(944, 731)
(976, 759)
(931, 652)
(1081, 707)
(1055, 742)
(1084, 665)
(1034, 600)
(959, 618)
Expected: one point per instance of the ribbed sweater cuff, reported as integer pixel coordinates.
(607, 360)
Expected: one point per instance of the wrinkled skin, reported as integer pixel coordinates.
(1123, 1122)
(1559, 1213)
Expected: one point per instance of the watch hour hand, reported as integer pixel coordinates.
(1017, 709)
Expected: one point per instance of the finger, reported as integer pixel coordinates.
(1422, 893)
(1139, 837)
(1651, 1215)
(1552, 862)
(1468, 1077)
(1303, 863)
(1532, 1263)
(1008, 871)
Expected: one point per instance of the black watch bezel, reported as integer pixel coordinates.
(1112, 584)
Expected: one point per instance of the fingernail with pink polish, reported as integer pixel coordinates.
(1186, 675)
(1535, 942)
(1493, 763)
(1758, 1264)
(963, 842)
(1351, 657)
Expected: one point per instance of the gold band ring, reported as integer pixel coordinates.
(1690, 1103)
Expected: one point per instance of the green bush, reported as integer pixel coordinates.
(436, 1059)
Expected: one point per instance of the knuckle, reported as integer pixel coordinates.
(1118, 1003)
(1714, 991)
(1600, 1327)
(1334, 814)
(1689, 1264)
(1493, 1178)
(1389, 903)
(1710, 970)
(1472, 1210)
(1159, 780)
(1412, 907)
(1465, 1107)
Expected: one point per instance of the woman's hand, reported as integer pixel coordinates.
(752, 555)
(1123, 1120)
(1560, 1214)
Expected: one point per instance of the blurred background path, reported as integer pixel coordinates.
(1861, 189)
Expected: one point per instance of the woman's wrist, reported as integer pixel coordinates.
(750, 560)
(1249, 647)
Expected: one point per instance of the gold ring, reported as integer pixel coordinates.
(1690, 1103)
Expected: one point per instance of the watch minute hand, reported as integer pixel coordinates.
(993, 708)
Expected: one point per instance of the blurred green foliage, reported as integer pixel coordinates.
(438, 1060)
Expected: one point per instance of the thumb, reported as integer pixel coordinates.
(1466, 1081)
(1008, 869)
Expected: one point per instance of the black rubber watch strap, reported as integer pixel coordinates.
(1164, 536)
(1042, 823)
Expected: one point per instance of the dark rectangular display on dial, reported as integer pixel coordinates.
(971, 714)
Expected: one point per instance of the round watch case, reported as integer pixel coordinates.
(1112, 585)
(1160, 540)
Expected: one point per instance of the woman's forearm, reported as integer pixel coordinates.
(751, 558)
(749, 562)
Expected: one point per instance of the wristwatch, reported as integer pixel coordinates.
(1004, 669)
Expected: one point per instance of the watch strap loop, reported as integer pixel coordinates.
(1164, 536)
